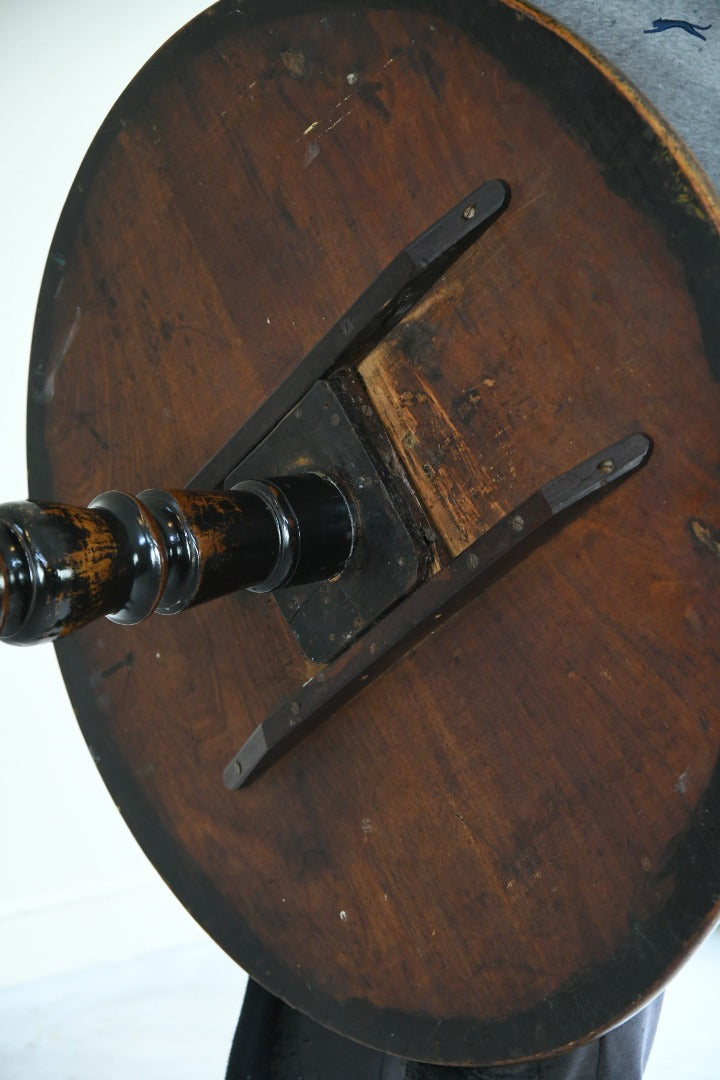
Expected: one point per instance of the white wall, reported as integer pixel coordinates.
(74, 887)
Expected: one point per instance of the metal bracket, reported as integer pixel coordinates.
(333, 431)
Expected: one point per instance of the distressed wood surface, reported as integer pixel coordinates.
(511, 839)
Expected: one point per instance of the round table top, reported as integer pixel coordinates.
(508, 841)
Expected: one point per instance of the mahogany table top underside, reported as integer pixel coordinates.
(510, 840)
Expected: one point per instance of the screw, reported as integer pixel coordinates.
(517, 524)
(469, 213)
(607, 466)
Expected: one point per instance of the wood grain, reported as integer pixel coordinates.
(511, 840)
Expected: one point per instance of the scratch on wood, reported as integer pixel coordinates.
(338, 121)
(473, 831)
(127, 661)
(83, 417)
(48, 391)
(168, 329)
(72, 332)
(401, 52)
(363, 88)
(311, 153)
(541, 188)
(705, 537)
(312, 128)
(520, 211)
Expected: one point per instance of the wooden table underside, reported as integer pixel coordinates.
(511, 839)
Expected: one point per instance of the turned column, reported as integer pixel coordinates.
(124, 556)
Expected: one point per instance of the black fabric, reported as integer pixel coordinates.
(255, 1035)
(622, 1054)
(276, 1042)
